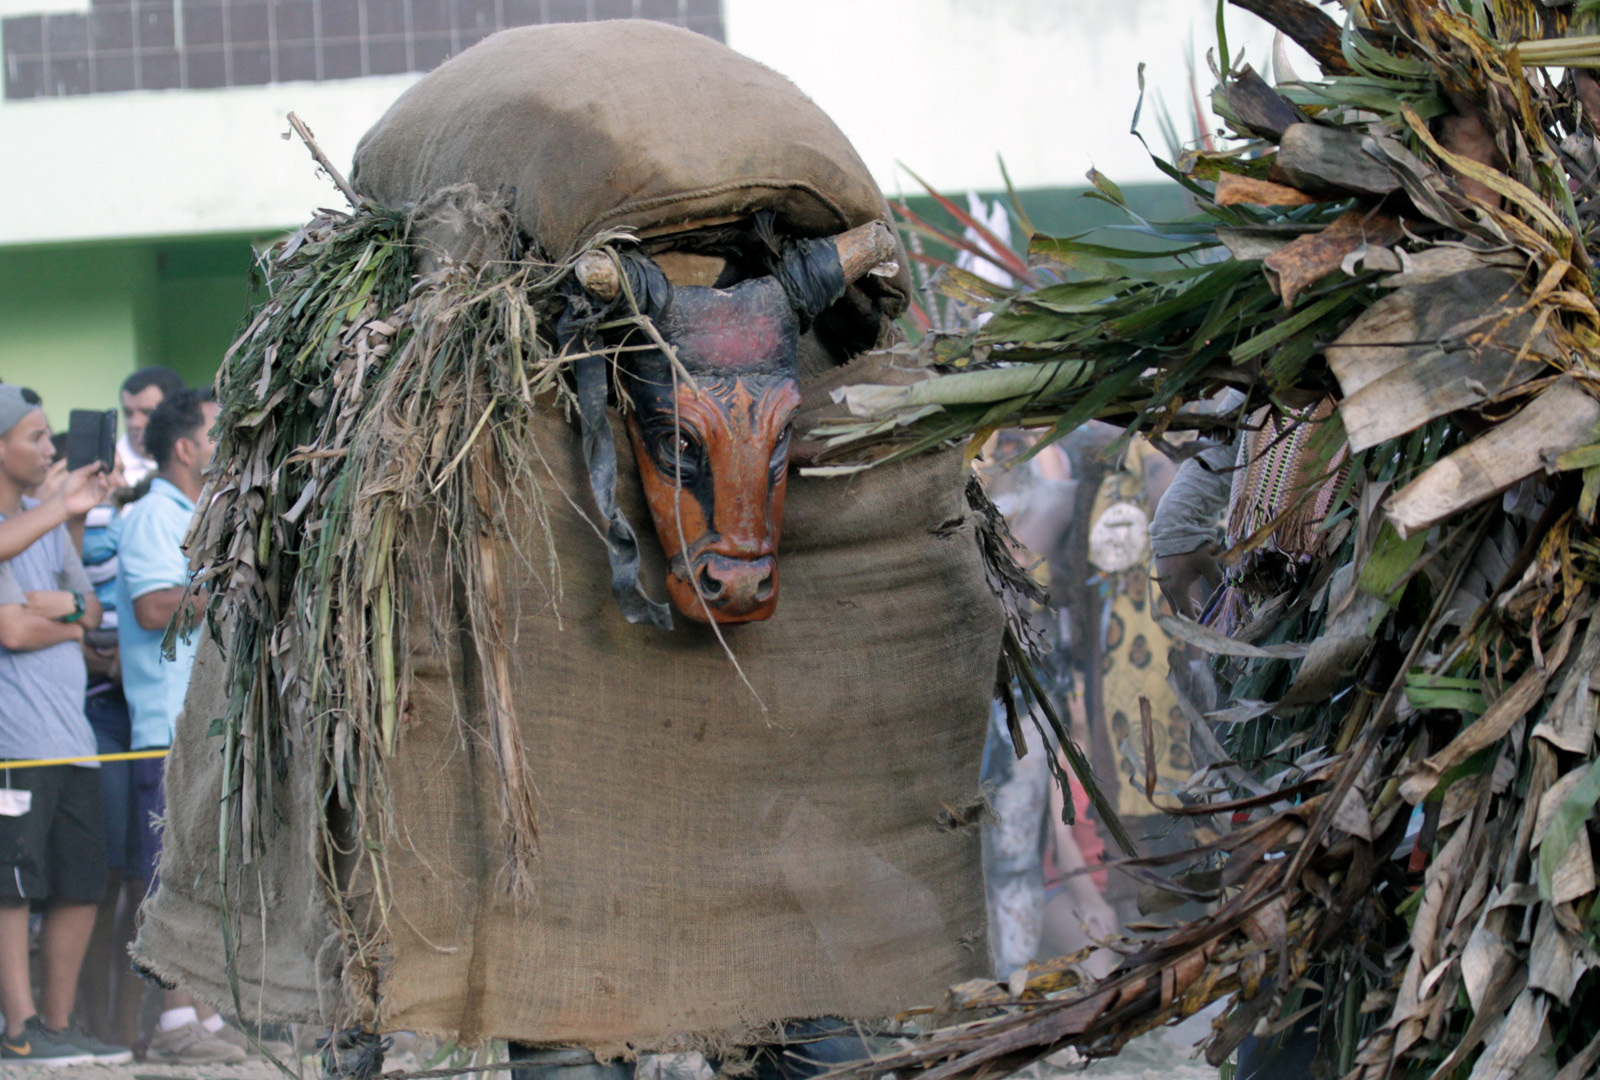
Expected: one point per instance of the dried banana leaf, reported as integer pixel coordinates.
(1409, 723)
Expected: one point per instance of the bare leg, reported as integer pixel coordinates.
(16, 991)
(1078, 916)
(1012, 871)
(67, 927)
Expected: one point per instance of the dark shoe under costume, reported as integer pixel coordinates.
(811, 1048)
(808, 1049)
(564, 1063)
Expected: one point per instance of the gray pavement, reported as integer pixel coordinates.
(1166, 1054)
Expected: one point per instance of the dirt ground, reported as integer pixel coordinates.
(1160, 1055)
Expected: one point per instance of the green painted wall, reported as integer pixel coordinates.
(76, 319)
(69, 326)
(202, 291)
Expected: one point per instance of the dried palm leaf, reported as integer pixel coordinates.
(1412, 234)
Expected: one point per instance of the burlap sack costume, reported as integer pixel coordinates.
(629, 123)
(705, 869)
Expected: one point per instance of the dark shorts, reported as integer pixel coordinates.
(147, 804)
(112, 724)
(57, 849)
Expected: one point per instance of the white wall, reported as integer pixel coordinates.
(942, 85)
(176, 162)
(945, 85)
(40, 7)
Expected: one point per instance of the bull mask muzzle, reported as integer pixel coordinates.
(710, 423)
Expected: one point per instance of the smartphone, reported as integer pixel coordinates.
(91, 436)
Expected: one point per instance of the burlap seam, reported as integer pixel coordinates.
(642, 205)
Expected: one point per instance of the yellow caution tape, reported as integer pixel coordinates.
(128, 755)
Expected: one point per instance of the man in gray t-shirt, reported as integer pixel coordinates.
(47, 684)
(52, 839)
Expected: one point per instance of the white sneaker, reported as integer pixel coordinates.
(192, 1044)
(234, 1037)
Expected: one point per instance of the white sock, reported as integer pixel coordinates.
(214, 1023)
(173, 1019)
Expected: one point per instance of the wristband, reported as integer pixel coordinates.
(78, 608)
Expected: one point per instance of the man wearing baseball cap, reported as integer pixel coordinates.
(52, 847)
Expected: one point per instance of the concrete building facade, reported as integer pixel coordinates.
(141, 164)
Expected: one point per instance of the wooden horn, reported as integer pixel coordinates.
(598, 274)
(861, 251)
(864, 249)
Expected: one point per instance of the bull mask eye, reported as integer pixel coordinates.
(679, 454)
(780, 458)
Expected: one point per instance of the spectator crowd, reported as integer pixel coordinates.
(92, 571)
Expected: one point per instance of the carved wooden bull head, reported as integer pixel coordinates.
(710, 423)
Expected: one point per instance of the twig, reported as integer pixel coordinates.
(322, 161)
(1306, 26)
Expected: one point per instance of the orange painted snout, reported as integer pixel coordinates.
(713, 460)
(740, 589)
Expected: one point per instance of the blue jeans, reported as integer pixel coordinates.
(113, 729)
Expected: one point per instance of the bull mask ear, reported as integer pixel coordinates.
(815, 273)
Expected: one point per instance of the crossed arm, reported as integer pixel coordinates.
(34, 624)
(32, 620)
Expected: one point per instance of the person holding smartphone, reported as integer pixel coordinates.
(61, 498)
(52, 844)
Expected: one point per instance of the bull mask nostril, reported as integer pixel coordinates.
(764, 590)
(710, 587)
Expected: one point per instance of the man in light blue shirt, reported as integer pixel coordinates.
(153, 571)
(152, 575)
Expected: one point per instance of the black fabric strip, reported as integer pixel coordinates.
(600, 458)
(578, 324)
(811, 277)
(650, 287)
